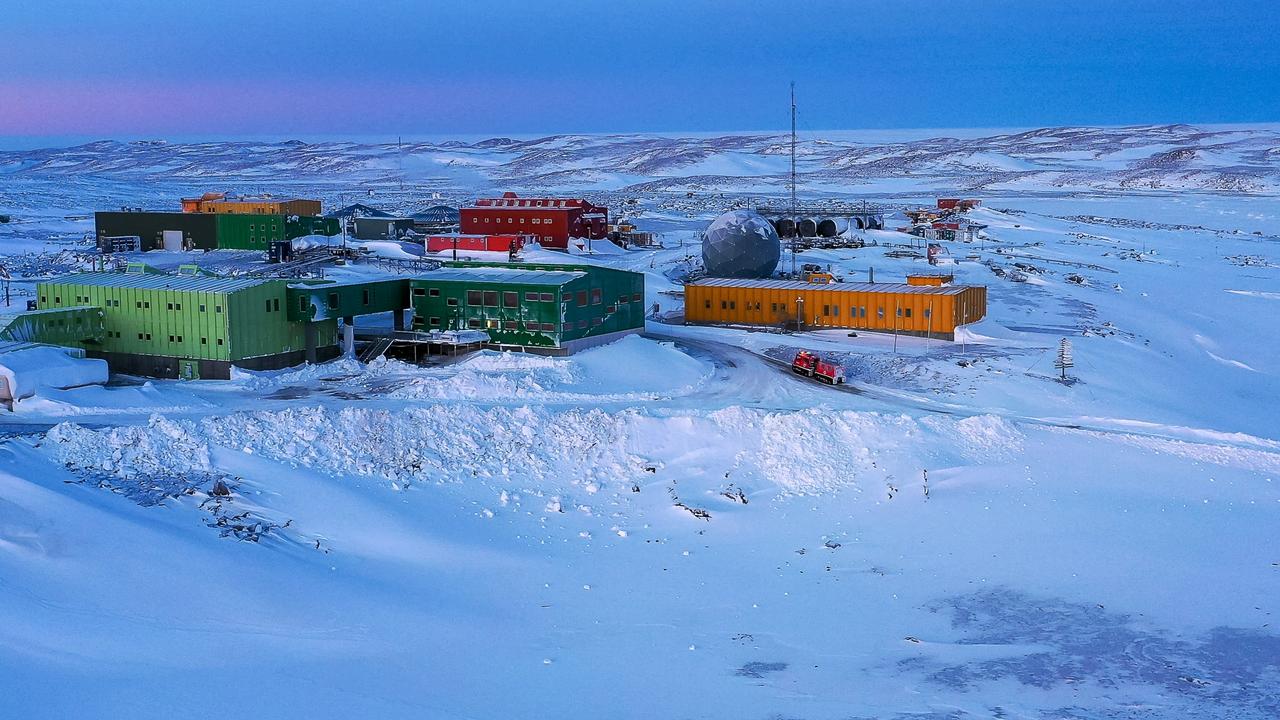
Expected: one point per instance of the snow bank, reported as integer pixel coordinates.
(27, 370)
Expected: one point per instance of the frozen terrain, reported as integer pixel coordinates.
(673, 525)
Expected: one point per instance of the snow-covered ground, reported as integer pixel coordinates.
(674, 526)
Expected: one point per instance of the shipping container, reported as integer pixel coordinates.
(933, 311)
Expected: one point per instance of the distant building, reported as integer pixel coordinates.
(206, 231)
(553, 221)
(437, 220)
(380, 228)
(245, 205)
(963, 205)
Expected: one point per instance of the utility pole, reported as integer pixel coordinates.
(795, 237)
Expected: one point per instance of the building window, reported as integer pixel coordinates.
(217, 308)
(582, 298)
(908, 312)
(835, 310)
(862, 311)
(567, 297)
(491, 324)
(170, 306)
(724, 305)
(611, 309)
(509, 325)
(202, 308)
(204, 341)
(826, 309)
(531, 297)
(139, 336)
(491, 298)
(773, 307)
(622, 299)
(452, 302)
(473, 323)
(582, 324)
(549, 327)
(364, 296)
(546, 297)
(57, 299)
(636, 297)
(419, 292)
(170, 338)
(733, 304)
(707, 304)
(179, 338)
(434, 292)
(219, 341)
(333, 300)
(510, 299)
(928, 313)
(435, 321)
(898, 311)
(268, 305)
(596, 321)
(475, 297)
(597, 297)
(880, 312)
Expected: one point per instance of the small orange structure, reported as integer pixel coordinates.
(929, 280)
(927, 310)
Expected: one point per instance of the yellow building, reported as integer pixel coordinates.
(928, 310)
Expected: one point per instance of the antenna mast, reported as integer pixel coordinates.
(795, 234)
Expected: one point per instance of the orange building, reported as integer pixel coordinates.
(243, 205)
(926, 310)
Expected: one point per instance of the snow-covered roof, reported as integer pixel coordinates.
(159, 281)
(901, 288)
(503, 275)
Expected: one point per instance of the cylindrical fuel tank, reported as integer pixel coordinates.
(786, 227)
(807, 227)
(831, 227)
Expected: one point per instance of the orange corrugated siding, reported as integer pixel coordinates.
(824, 306)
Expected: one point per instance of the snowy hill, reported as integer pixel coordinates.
(1139, 157)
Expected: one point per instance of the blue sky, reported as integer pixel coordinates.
(287, 67)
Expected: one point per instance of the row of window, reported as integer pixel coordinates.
(172, 338)
(139, 304)
(509, 299)
(532, 221)
(859, 311)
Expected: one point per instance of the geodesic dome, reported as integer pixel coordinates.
(740, 244)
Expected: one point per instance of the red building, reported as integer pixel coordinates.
(487, 243)
(963, 205)
(552, 221)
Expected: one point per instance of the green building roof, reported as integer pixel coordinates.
(147, 281)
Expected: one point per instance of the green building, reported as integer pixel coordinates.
(210, 231)
(186, 326)
(542, 307)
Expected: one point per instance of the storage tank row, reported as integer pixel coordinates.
(827, 227)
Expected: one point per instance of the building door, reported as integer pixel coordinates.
(173, 240)
(188, 369)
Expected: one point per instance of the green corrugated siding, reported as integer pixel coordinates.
(249, 232)
(149, 321)
(321, 301)
(612, 302)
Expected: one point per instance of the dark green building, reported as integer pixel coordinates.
(541, 307)
(210, 231)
